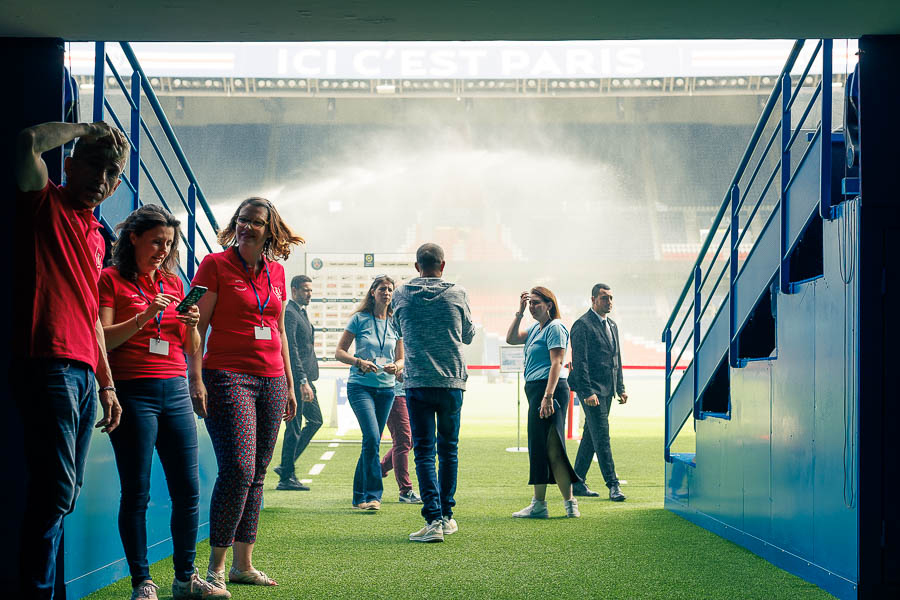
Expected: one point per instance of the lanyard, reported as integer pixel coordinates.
(383, 338)
(260, 305)
(158, 317)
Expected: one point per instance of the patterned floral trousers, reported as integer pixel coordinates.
(244, 415)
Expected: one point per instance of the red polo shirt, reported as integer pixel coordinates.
(133, 360)
(59, 256)
(232, 345)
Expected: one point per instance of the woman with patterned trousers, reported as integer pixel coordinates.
(370, 388)
(246, 387)
(146, 340)
(548, 394)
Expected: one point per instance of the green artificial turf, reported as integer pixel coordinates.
(317, 546)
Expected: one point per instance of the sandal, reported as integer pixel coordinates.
(252, 577)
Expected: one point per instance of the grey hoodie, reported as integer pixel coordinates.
(434, 320)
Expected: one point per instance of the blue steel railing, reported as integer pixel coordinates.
(707, 300)
(137, 132)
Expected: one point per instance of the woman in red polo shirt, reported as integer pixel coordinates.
(246, 387)
(146, 340)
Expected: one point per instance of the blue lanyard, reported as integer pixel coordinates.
(384, 337)
(158, 317)
(260, 305)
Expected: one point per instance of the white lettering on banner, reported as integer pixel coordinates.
(463, 60)
(301, 68)
(513, 62)
(412, 63)
(473, 57)
(580, 63)
(444, 63)
(630, 61)
(545, 65)
(359, 63)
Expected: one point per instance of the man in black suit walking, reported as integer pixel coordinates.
(596, 377)
(305, 367)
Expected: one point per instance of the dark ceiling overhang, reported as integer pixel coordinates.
(320, 20)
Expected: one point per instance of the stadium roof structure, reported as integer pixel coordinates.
(406, 20)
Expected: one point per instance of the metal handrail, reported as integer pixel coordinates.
(802, 78)
(167, 128)
(754, 138)
(762, 158)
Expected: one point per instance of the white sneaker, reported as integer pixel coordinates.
(450, 525)
(536, 510)
(432, 532)
(572, 508)
(146, 590)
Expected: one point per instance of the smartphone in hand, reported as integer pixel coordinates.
(191, 299)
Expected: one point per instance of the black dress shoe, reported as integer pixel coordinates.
(582, 489)
(292, 484)
(615, 493)
(277, 470)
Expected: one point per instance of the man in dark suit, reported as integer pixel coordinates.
(596, 377)
(305, 368)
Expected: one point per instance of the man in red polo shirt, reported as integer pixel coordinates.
(57, 338)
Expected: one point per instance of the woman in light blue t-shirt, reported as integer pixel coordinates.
(370, 388)
(548, 395)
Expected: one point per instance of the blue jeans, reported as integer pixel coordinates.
(427, 406)
(58, 402)
(371, 406)
(157, 413)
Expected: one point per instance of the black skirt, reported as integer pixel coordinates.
(540, 429)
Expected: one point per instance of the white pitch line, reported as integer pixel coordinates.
(317, 468)
(333, 445)
(306, 481)
(327, 455)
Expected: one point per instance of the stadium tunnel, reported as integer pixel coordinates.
(768, 338)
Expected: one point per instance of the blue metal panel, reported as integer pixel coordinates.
(751, 406)
(677, 481)
(804, 193)
(715, 346)
(835, 503)
(758, 269)
(93, 551)
(681, 403)
(793, 423)
(706, 486)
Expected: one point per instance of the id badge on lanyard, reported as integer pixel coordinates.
(381, 361)
(261, 332)
(157, 345)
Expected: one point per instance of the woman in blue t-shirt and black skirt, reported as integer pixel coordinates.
(370, 388)
(548, 395)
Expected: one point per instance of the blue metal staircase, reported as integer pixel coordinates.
(768, 193)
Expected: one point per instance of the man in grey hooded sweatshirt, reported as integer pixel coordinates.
(434, 320)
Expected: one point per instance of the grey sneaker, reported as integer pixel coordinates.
(216, 578)
(410, 497)
(536, 510)
(572, 508)
(146, 590)
(450, 525)
(197, 589)
(432, 532)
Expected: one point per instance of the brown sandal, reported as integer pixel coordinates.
(252, 577)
